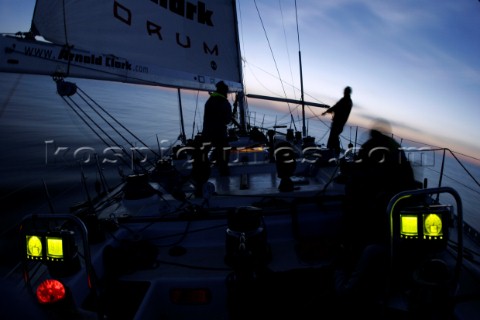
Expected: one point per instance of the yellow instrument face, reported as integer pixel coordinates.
(433, 225)
(54, 247)
(34, 246)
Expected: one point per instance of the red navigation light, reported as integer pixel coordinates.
(50, 291)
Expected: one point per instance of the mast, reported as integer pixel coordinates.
(183, 137)
(304, 128)
(241, 94)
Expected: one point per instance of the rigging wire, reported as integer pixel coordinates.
(71, 104)
(74, 106)
(250, 66)
(195, 115)
(9, 94)
(286, 45)
(65, 24)
(304, 130)
(273, 56)
(98, 126)
(182, 136)
(292, 120)
(240, 20)
(114, 119)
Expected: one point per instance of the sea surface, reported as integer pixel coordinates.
(49, 152)
(50, 158)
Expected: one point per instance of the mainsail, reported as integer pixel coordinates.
(184, 44)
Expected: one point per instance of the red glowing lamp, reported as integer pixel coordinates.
(50, 291)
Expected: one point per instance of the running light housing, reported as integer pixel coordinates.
(50, 291)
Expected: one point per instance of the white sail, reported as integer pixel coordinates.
(187, 44)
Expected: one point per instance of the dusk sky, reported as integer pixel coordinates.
(415, 63)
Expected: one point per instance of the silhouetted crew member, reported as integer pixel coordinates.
(217, 115)
(341, 112)
(380, 170)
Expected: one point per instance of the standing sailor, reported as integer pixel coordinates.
(217, 115)
(341, 112)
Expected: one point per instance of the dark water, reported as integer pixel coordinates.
(46, 147)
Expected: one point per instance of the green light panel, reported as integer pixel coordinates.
(34, 247)
(432, 226)
(408, 226)
(54, 249)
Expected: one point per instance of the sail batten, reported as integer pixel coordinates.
(187, 44)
